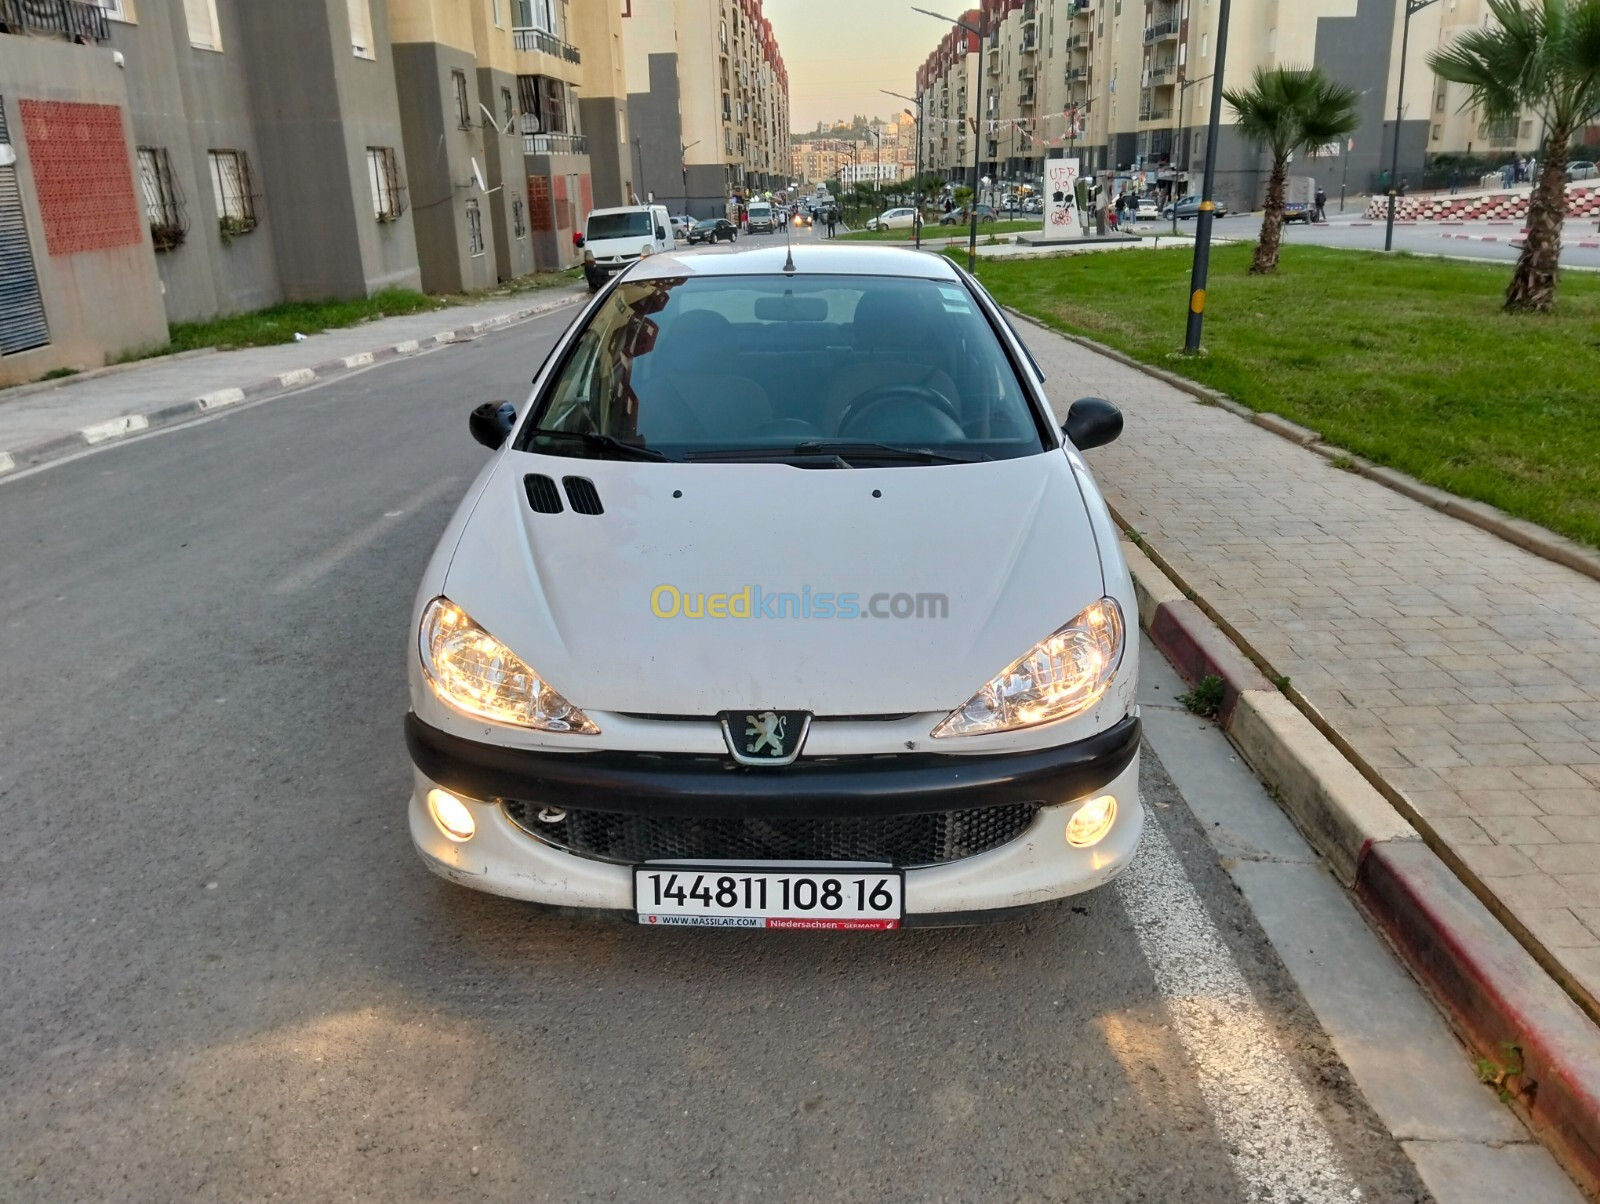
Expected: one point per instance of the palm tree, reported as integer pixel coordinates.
(1545, 57)
(1289, 109)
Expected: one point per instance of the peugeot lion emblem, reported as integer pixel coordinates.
(765, 737)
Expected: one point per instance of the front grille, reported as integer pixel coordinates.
(900, 840)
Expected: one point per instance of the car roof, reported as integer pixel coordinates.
(810, 259)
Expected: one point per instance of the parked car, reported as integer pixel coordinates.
(714, 229)
(760, 217)
(682, 223)
(1189, 206)
(1581, 169)
(893, 219)
(1147, 210)
(619, 235)
(802, 217)
(776, 762)
(962, 216)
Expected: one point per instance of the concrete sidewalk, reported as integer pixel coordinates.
(43, 422)
(1458, 672)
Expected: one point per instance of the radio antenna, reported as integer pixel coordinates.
(788, 242)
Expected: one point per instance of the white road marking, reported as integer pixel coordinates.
(6, 462)
(114, 428)
(1278, 1146)
(318, 567)
(300, 376)
(360, 360)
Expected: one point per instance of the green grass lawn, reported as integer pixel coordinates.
(1405, 361)
(278, 323)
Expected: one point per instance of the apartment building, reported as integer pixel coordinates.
(946, 86)
(501, 168)
(1126, 86)
(708, 102)
(169, 166)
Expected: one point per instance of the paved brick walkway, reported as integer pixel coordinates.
(1464, 668)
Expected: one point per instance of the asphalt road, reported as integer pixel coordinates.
(225, 976)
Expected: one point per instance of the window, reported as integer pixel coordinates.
(118, 10)
(474, 227)
(463, 108)
(361, 28)
(201, 16)
(499, 15)
(544, 105)
(163, 206)
(519, 226)
(1205, 45)
(507, 107)
(233, 191)
(383, 173)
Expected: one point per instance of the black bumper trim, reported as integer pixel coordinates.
(680, 784)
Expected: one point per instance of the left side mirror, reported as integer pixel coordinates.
(660, 233)
(491, 422)
(1092, 422)
(580, 241)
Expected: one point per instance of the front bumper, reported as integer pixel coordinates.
(1036, 866)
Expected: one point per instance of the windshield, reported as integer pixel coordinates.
(618, 225)
(760, 367)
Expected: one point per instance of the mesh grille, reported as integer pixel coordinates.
(899, 840)
(543, 495)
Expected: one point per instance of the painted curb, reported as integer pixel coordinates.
(124, 425)
(1493, 991)
(1530, 537)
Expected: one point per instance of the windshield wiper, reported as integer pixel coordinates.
(835, 453)
(632, 451)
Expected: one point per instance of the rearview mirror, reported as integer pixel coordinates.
(660, 233)
(491, 422)
(1092, 422)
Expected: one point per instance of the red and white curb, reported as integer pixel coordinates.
(126, 425)
(1517, 240)
(1501, 1002)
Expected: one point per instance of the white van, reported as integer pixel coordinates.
(619, 236)
(759, 217)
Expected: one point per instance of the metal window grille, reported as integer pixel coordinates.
(507, 105)
(519, 224)
(474, 227)
(388, 191)
(164, 207)
(233, 191)
(463, 109)
(76, 20)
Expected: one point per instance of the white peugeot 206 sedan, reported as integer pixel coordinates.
(783, 603)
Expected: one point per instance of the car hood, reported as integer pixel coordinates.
(585, 598)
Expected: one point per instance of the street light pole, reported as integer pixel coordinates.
(916, 184)
(1413, 7)
(1183, 95)
(1203, 220)
(977, 106)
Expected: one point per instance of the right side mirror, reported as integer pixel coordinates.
(491, 422)
(1092, 422)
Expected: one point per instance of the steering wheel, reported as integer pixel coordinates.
(926, 412)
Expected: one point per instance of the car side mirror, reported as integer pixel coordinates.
(1092, 422)
(491, 422)
(581, 240)
(660, 233)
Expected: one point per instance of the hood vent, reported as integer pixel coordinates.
(582, 494)
(543, 495)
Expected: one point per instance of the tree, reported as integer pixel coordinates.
(1546, 58)
(1287, 110)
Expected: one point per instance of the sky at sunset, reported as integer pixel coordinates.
(840, 52)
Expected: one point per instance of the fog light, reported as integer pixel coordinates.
(452, 815)
(1090, 822)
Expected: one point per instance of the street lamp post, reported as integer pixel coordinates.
(1413, 7)
(1183, 93)
(916, 183)
(683, 162)
(1204, 219)
(977, 111)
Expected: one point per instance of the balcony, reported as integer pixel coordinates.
(71, 19)
(1160, 75)
(1029, 43)
(1075, 75)
(555, 144)
(1027, 98)
(544, 43)
(1154, 113)
(1161, 31)
(1080, 8)
(1078, 41)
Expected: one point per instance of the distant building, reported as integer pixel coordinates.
(708, 102)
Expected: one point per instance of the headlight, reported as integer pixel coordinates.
(1060, 676)
(476, 674)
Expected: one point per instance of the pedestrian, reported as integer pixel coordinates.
(1455, 181)
(1522, 170)
(1533, 171)
(1321, 214)
(1404, 184)
(833, 218)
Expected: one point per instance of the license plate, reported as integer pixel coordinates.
(742, 897)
